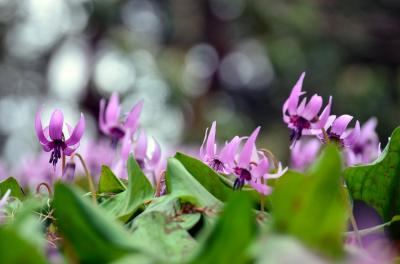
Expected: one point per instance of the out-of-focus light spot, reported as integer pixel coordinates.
(152, 89)
(201, 62)
(8, 9)
(114, 72)
(16, 114)
(41, 24)
(247, 66)
(143, 18)
(68, 70)
(227, 9)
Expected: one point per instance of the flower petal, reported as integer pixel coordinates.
(228, 152)
(141, 147)
(340, 124)
(310, 112)
(3, 200)
(293, 99)
(202, 153)
(210, 147)
(156, 156)
(126, 146)
(261, 168)
(247, 151)
(113, 109)
(39, 130)
(324, 116)
(132, 121)
(77, 133)
(351, 138)
(56, 125)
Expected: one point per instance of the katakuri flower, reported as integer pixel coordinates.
(53, 139)
(148, 162)
(303, 118)
(336, 130)
(109, 119)
(222, 162)
(366, 147)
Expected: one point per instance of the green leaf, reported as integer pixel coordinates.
(180, 183)
(232, 235)
(156, 234)
(109, 183)
(205, 176)
(92, 233)
(12, 184)
(378, 184)
(312, 207)
(126, 203)
(218, 185)
(15, 249)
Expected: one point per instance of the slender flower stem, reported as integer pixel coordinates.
(351, 215)
(46, 186)
(62, 163)
(262, 198)
(158, 184)
(326, 137)
(88, 176)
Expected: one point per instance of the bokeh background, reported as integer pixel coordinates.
(234, 61)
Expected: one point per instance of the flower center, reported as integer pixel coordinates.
(140, 162)
(56, 153)
(244, 175)
(116, 133)
(217, 165)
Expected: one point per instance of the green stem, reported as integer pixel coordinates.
(46, 186)
(88, 176)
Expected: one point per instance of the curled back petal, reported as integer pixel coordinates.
(351, 138)
(311, 110)
(77, 133)
(293, 99)
(132, 121)
(141, 147)
(210, 145)
(126, 146)
(39, 130)
(202, 153)
(113, 109)
(156, 156)
(102, 122)
(261, 168)
(247, 151)
(56, 125)
(340, 124)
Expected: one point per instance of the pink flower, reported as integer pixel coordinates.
(366, 147)
(304, 153)
(303, 118)
(336, 129)
(220, 162)
(52, 137)
(109, 119)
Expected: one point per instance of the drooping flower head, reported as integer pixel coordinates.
(366, 147)
(304, 153)
(109, 118)
(303, 118)
(53, 139)
(221, 162)
(253, 167)
(336, 130)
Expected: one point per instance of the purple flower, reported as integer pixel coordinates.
(304, 153)
(52, 137)
(303, 118)
(221, 162)
(366, 147)
(109, 118)
(147, 162)
(336, 129)
(260, 175)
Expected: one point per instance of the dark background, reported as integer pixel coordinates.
(193, 62)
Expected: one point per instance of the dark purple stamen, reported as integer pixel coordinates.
(238, 184)
(244, 175)
(140, 163)
(56, 153)
(217, 165)
(299, 123)
(116, 134)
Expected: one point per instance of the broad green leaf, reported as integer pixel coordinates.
(162, 238)
(170, 206)
(126, 203)
(312, 207)
(378, 184)
(205, 176)
(91, 232)
(180, 183)
(232, 235)
(12, 184)
(16, 249)
(217, 185)
(109, 183)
